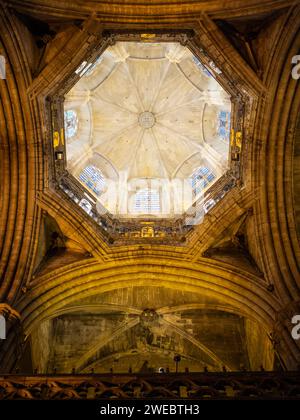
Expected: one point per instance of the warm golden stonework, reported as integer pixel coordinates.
(149, 209)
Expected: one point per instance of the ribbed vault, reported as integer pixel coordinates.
(145, 116)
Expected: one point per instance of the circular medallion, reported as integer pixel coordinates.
(146, 119)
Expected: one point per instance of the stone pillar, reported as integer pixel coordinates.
(11, 338)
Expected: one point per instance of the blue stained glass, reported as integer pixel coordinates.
(147, 201)
(71, 123)
(224, 125)
(210, 177)
(93, 178)
(204, 170)
(201, 67)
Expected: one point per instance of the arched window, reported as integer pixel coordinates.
(93, 178)
(147, 201)
(224, 125)
(201, 178)
(71, 123)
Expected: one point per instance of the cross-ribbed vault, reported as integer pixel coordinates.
(145, 124)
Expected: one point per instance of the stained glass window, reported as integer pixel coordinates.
(93, 178)
(71, 123)
(201, 178)
(224, 125)
(86, 205)
(147, 201)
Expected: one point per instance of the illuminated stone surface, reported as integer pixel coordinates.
(148, 112)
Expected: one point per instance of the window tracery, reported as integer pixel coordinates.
(147, 201)
(93, 178)
(201, 178)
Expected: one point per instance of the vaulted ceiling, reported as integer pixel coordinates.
(147, 113)
(163, 80)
